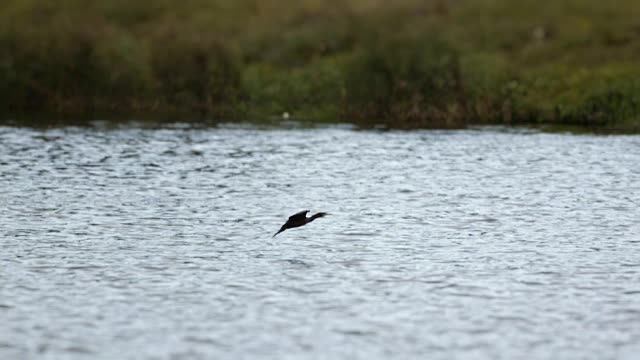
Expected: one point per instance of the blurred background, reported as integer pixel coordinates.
(146, 231)
(405, 64)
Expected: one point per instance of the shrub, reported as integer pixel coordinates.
(614, 104)
(195, 71)
(69, 67)
(406, 83)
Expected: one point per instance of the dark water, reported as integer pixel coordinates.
(133, 243)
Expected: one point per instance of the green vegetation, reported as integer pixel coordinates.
(406, 63)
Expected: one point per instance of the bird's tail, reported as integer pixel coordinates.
(279, 231)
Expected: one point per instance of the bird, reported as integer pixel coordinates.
(299, 219)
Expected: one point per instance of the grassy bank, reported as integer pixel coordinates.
(409, 63)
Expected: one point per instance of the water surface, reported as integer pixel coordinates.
(122, 243)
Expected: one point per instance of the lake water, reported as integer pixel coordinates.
(134, 243)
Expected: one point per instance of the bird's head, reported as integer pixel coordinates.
(319, 215)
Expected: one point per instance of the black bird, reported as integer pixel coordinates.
(299, 219)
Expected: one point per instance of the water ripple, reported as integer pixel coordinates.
(156, 243)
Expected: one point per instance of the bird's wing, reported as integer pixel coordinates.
(301, 215)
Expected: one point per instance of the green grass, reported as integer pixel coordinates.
(404, 64)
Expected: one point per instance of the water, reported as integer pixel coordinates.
(123, 243)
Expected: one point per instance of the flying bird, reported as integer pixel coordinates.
(299, 219)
